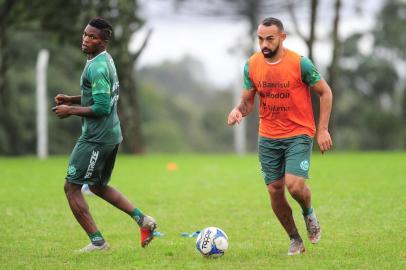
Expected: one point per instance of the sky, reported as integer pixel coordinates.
(211, 40)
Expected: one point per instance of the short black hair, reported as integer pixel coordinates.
(104, 26)
(273, 21)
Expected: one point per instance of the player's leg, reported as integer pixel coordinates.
(283, 212)
(146, 223)
(114, 197)
(299, 190)
(281, 207)
(297, 168)
(84, 157)
(301, 193)
(80, 210)
(271, 156)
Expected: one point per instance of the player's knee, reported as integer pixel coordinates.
(276, 188)
(295, 188)
(70, 189)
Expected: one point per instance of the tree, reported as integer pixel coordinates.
(252, 11)
(333, 70)
(390, 42)
(366, 114)
(311, 38)
(10, 14)
(181, 112)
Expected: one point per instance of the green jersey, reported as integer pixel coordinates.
(99, 79)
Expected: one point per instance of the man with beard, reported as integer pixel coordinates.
(282, 79)
(92, 160)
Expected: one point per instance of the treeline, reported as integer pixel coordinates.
(370, 93)
(181, 111)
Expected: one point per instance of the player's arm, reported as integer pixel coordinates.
(100, 94)
(326, 100)
(101, 107)
(311, 77)
(61, 99)
(246, 104)
(63, 111)
(244, 108)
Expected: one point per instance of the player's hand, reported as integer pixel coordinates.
(324, 140)
(61, 99)
(235, 116)
(62, 111)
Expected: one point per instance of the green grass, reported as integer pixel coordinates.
(360, 199)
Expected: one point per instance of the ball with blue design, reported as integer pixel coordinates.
(212, 242)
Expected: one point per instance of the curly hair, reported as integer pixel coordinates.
(104, 26)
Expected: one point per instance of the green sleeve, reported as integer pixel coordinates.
(247, 83)
(101, 106)
(310, 75)
(99, 78)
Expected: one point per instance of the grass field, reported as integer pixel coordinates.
(360, 199)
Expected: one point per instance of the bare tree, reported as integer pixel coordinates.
(310, 39)
(333, 69)
(250, 11)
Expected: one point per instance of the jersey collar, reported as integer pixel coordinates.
(103, 52)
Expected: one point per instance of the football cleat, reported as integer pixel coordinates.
(313, 228)
(296, 247)
(91, 248)
(147, 230)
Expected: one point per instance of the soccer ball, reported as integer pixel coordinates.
(212, 242)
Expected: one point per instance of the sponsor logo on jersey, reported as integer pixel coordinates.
(265, 84)
(275, 109)
(274, 95)
(114, 100)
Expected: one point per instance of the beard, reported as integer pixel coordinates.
(268, 53)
